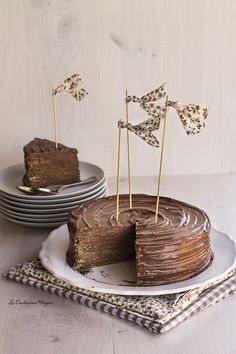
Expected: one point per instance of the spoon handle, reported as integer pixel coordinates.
(85, 181)
(46, 191)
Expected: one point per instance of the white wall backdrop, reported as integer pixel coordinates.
(116, 45)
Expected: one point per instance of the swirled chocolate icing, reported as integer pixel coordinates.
(175, 248)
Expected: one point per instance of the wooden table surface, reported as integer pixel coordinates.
(66, 327)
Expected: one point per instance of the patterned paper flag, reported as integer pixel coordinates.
(71, 86)
(144, 130)
(147, 101)
(192, 116)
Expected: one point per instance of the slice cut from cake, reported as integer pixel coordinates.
(45, 165)
(174, 249)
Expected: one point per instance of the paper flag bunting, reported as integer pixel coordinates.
(192, 116)
(147, 101)
(144, 130)
(71, 86)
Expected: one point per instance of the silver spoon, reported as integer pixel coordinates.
(55, 189)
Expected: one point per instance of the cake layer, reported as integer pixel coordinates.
(175, 248)
(45, 165)
(84, 254)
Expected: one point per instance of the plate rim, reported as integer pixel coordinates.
(44, 210)
(93, 285)
(36, 220)
(52, 204)
(38, 223)
(58, 201)
(14, 213)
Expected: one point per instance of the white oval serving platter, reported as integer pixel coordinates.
(120, 278)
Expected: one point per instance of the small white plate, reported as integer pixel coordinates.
(35, 222)
(116, 278)
(12, 177)
(33, 216)
(41, 209)
(32, 224)
(32, 202)
(52, 205)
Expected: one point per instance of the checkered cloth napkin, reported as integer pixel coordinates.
(159, 314)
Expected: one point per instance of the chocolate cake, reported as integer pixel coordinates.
(45, 165)
(175, 248)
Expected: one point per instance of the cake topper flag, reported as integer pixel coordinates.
(70, 85)
(147, 101)
(192, 117)
(144, 130)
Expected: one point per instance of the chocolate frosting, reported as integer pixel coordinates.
(175, 248)
(43, 145)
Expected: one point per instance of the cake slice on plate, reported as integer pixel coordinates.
(45, 165)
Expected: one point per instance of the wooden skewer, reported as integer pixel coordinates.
(128, 150)
(118, 177)
(54, 116)
(161, 160)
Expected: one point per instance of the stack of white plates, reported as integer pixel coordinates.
(46, 211)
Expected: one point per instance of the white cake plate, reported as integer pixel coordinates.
(120, 278)
(12, 176)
